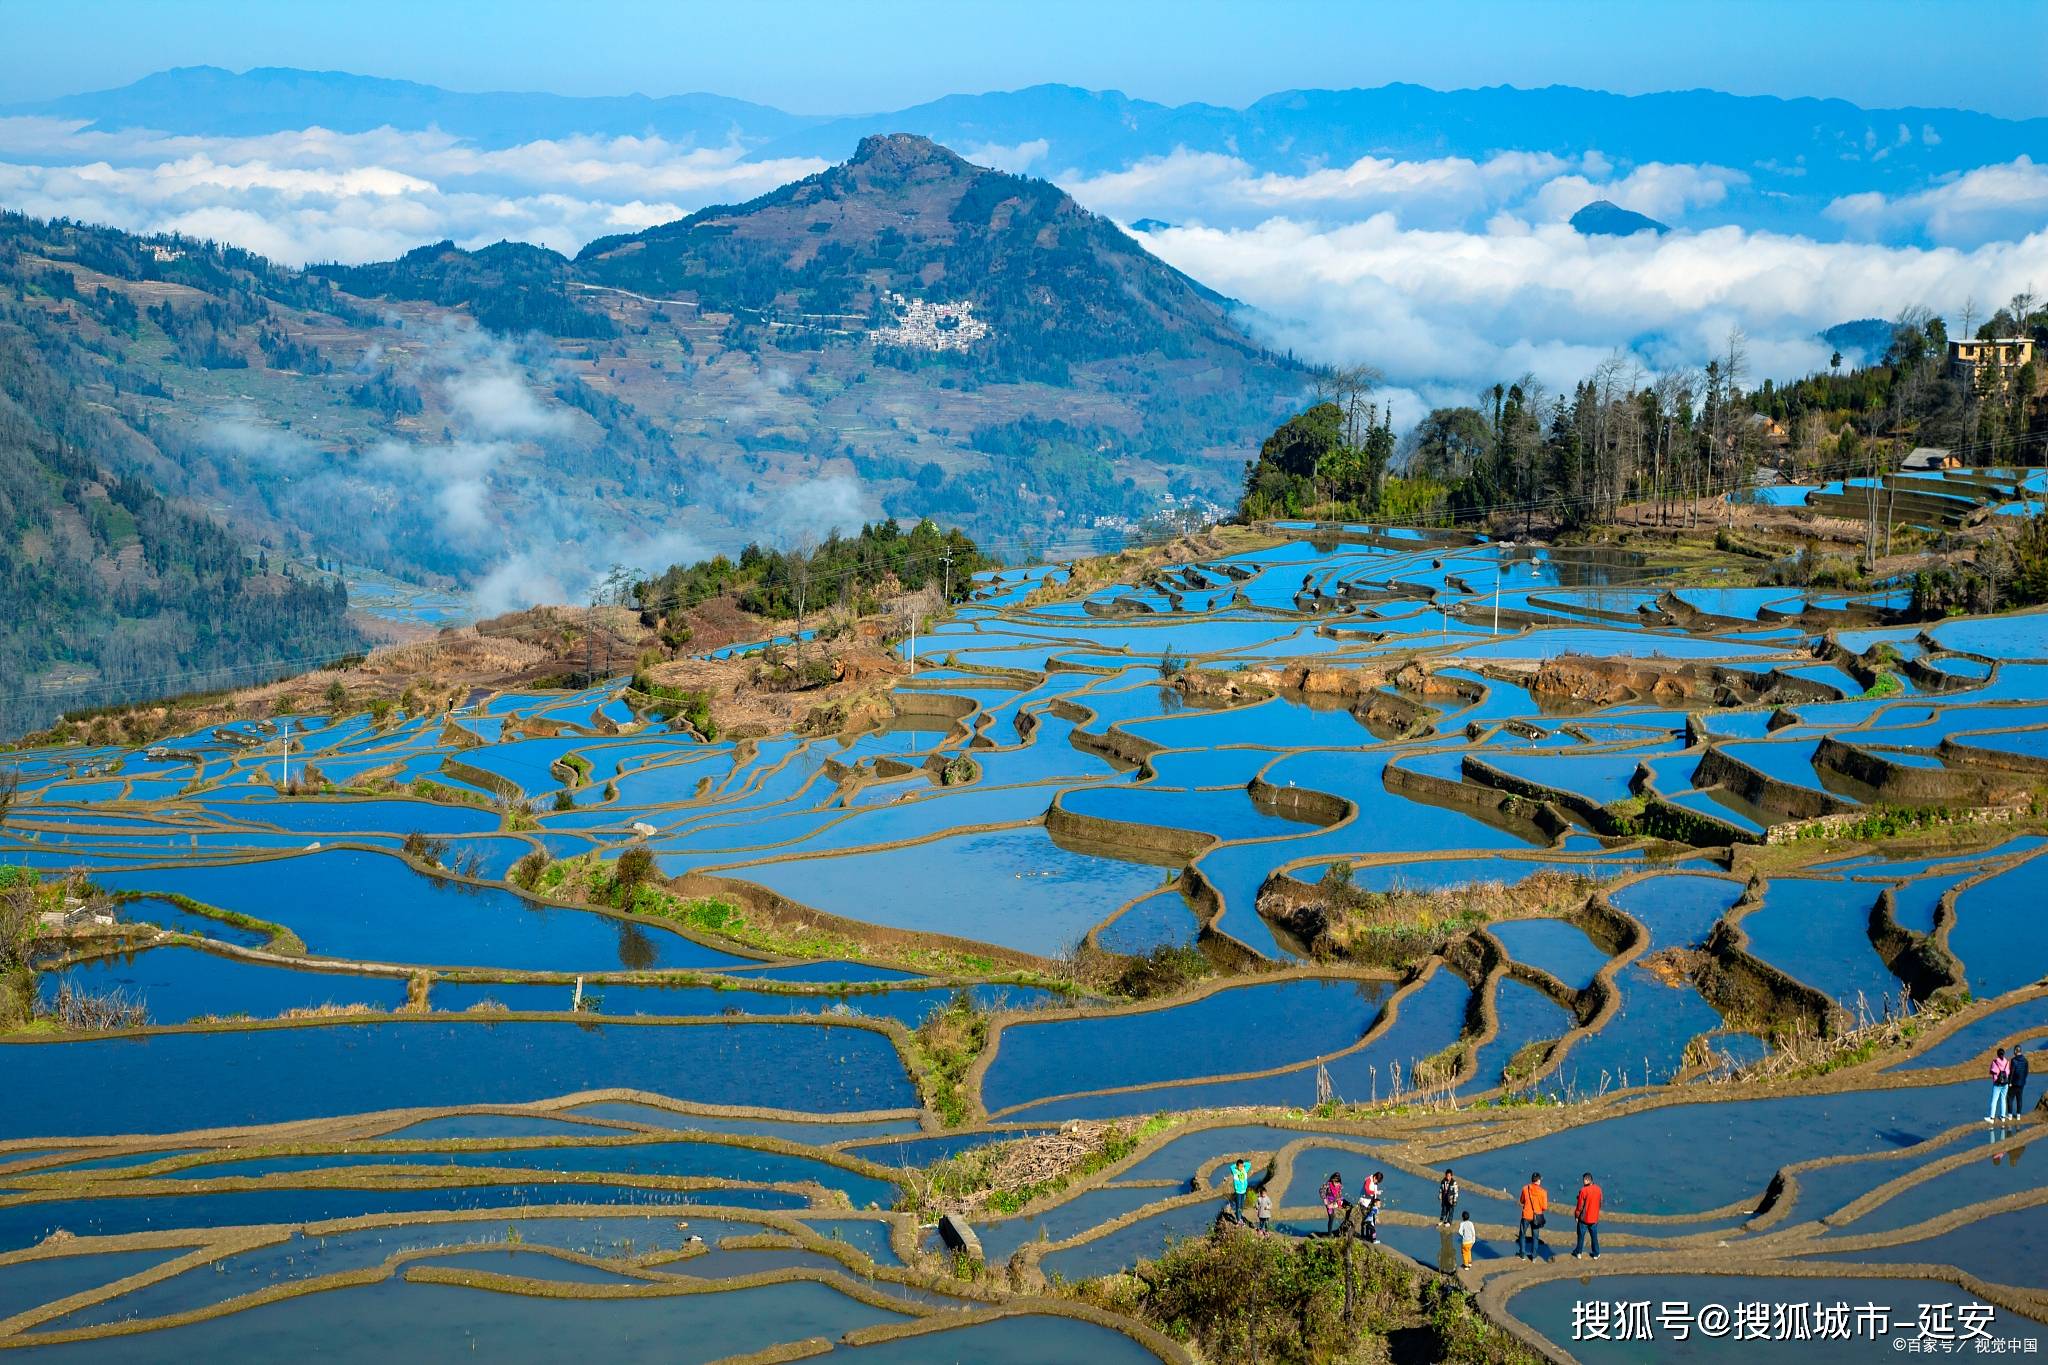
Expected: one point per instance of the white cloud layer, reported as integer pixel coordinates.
(1991, 203)
(1446, 312)
(1216, 190)
(316, 195)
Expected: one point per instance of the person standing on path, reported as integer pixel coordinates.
(1467, 1235)
(2001, 1078)
(1446, 1196)
(1529, 1232)
(1240, 1182)
(2017, 1071)
(1265, 1208)
(1333, 1202)
(1586, 1213)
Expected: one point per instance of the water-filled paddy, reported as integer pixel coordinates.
(1250, 1028)
(1732, 1147)
(1556, 947)
(1027, 891)
(177, 984)
(372, 907)
(203, 1080)
(1819, 932)
(434, 1321)
(2000, 934)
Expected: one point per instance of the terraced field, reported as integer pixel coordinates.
(484, 1109)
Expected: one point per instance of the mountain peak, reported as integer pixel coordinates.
(909, 220)
(1605, 218)
(904, 154)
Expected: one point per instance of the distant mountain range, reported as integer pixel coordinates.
(1810, 149)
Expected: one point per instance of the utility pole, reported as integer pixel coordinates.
(285, 728)
(1506, 547)
(947, 560)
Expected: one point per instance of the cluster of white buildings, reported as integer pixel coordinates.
(1186, 512)
(927, 326)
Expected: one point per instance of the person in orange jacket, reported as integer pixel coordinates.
(1529, 1233)
(1586, 1213)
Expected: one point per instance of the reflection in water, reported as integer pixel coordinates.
(636, 949)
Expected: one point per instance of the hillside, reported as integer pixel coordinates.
(113, 593)
(511, 287)
(512, 422)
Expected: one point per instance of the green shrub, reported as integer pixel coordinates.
(526, 873)
(635, 866)
(1168, 969)
(1242, 1296)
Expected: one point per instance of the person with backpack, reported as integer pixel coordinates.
(1446, 1196)
(1529, 1232)
(1333, 1202)
(1467, 1235)
(1586, 1214)
(1240, 1183)
(2001, 1079)
(2017, 1071)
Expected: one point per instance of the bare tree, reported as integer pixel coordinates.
(1348, 386)
(799, 556)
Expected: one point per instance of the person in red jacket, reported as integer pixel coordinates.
(1586, 1212)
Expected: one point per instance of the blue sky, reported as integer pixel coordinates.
(844, 56)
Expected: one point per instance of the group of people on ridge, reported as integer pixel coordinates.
(1337, 1210)
(2008, 1100)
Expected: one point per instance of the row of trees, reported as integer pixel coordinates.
(843, 570)
(1665, 445)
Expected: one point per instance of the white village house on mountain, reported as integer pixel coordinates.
(927, 326)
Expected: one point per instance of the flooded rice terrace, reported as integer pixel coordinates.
(1446, 855)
